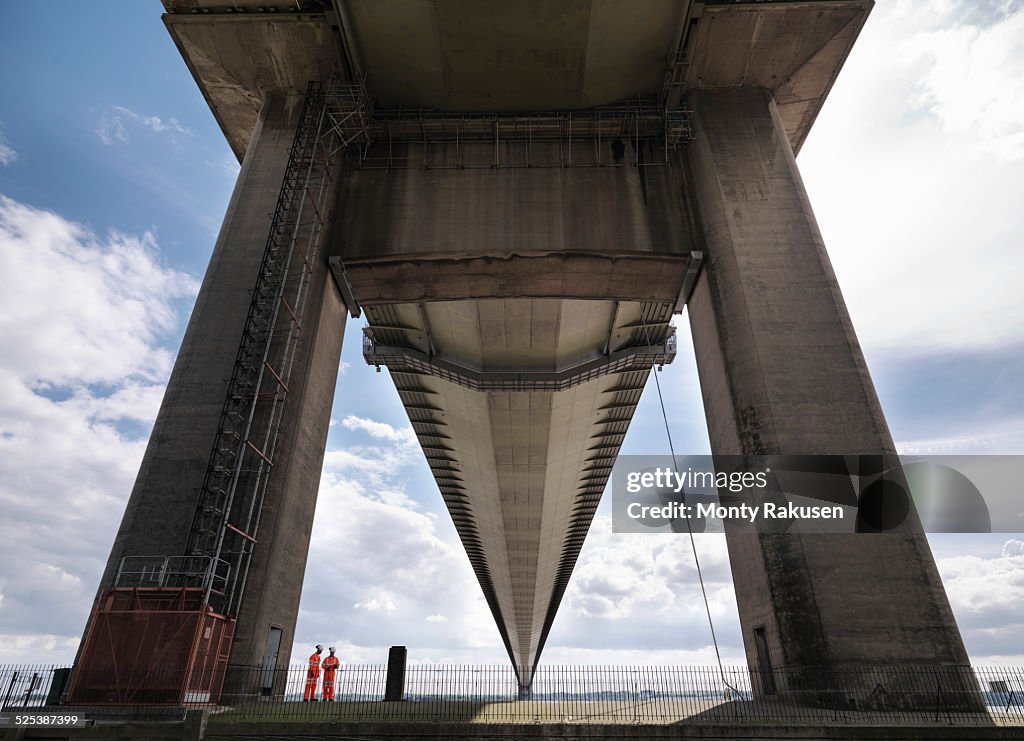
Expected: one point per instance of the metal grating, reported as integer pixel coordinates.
(410, 360)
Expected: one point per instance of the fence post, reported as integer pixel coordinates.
(940, 704)
(31, 688)
(394, 684)
(10, 689)
(194, 726)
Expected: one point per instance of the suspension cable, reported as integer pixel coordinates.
(689, 528)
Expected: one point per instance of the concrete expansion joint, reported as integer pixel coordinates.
(504, 256)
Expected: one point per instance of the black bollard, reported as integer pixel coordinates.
(394, 685)
(58, 685)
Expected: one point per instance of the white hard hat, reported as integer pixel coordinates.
(331, 649)
(319, 647)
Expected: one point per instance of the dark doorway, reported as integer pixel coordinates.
(764, 661)
(270, 661)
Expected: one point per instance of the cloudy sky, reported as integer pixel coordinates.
(113, 181)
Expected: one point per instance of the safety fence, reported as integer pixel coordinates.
(575, 694)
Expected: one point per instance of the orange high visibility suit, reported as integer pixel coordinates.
(331, 664)
(312, 675)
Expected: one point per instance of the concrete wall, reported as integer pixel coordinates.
(511, 209)
(162, 504)
(445, 223)
(781, 372)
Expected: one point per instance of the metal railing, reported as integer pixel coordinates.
(405, 359)
(172, 571)
(402, 138)
(879, 695)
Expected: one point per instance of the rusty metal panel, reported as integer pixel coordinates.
(152, 646)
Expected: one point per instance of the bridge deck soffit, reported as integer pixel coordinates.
(521, 468)
(474, 56)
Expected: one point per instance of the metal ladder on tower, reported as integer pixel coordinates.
(334, 118)
(225, 526)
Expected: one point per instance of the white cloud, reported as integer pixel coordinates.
(82, 319)
(230, 165)
(384, 604)
(914, 170)
(158, 125)
(635, 595)
(994, 437)
(986, 592)
(82, 308)
(7, 153)
(976, 584)
(27, 649)
(380, 430)
(112, 126)
(376, 465)
(972, 83)
(1012, 548)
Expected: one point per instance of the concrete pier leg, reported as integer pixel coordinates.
(781, 372)
(162, 504)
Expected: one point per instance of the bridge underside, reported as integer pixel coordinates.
(524, 193)
(468, 56)
(518, 308)
(519, 311)
(520, 406)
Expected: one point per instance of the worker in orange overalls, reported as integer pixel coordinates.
(313, 675)
(331, 664)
